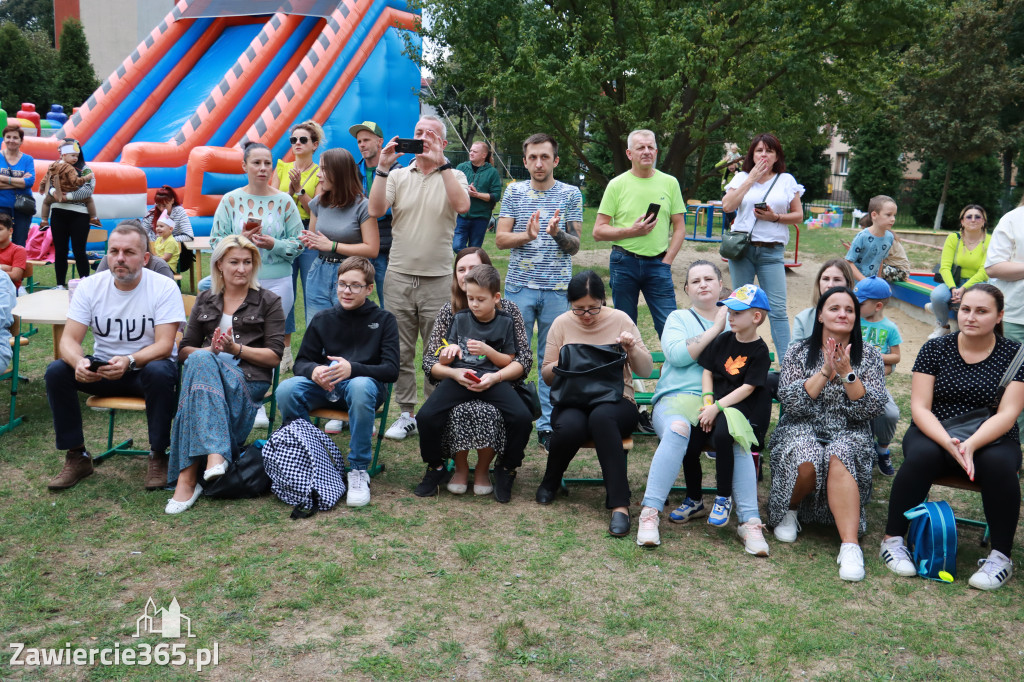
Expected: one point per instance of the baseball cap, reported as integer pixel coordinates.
(368, 126)
(872, 289)
(746, 297)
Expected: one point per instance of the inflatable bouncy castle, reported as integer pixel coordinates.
(217, 73)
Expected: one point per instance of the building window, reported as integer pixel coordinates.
(842, 163)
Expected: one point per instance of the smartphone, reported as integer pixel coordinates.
(652, 210)
(406, 145)
(95, 364)
(473, 377)
(253, 223)
(761, 205)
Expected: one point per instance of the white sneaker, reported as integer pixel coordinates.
(788, 528)
(334, 426)
(928, 306)
(993, 571)
(262, 421)
(938, 332)
(897, 557)
(358, 488)
(287, 362)
(647, 534)
(752, 535)
(404, 426)
(851, 562)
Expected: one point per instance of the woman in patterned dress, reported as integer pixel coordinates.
(822, 451)
(475, 425)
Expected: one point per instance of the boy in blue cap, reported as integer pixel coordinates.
(735, 370)
(882, 333)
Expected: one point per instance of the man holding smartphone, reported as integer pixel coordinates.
(644, 247)
(540, 222)
(134, 314)
(425, 198)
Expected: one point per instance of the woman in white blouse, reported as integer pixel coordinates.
(767, 201)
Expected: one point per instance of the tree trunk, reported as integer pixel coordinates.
(942, 199)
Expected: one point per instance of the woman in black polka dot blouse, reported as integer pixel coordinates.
(953, 375)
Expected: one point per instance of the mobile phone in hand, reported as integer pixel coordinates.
(652, 210)
(405, 145)
(95, 364)
(761, 206)
(473, 377)
(253, 223)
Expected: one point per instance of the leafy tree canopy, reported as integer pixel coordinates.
(972, 182)
(875, 163)
(29, 15)
(698, 74)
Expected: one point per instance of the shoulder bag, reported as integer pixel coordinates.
(734, 244)
(955, 270)
(967, 424)
(23, 203)
(588, 374)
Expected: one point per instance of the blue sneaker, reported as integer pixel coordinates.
(688, 510)
(885, 464)
(720, 511)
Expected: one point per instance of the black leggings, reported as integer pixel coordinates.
(995, 470)
(64, 225)
(606, 424)
(719, 440)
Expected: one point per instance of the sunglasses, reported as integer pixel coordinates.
(303, 139)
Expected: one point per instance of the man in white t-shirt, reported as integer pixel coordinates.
(134, 315)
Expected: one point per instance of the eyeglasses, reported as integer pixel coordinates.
(354, 288)
(580, 312)
(303, 139)
(973, 217)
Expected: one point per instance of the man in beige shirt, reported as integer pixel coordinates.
(425, 198)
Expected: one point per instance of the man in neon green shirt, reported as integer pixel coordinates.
(644, 245)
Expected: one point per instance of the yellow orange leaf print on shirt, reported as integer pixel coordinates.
(734, 365)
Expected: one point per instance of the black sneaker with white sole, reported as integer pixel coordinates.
(432, 481)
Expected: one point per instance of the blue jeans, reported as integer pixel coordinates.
(22, 223)
(631, 275)
(941, 296)
(668, 460)
(767, 263)
(541, 306)
(469, 232)
(300, 270)
(321, 288)
(360, 397)
(380, 268)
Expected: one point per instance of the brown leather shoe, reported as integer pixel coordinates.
(156, 474)
(77, 465)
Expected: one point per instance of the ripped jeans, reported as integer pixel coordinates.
(668, 460)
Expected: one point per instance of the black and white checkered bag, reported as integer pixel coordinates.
(306, 468)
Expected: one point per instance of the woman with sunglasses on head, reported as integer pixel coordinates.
(300, 179)
(589, 321)
(962, 265)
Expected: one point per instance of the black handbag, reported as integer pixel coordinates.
(588, 374)
(734, 244)
(955, 270)
(527, 390)
(25, 204)
(185, 259)
(967, 424)
(245, 476)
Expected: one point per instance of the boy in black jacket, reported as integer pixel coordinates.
(347, 355)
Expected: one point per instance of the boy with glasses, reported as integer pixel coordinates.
(347, 355)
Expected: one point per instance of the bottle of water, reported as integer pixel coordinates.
(334, 395)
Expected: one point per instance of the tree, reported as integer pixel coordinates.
(875, 165)
(19, 71)
(76, 79)
(464, 114)
(697, 74)
(970, 182)
(955, 85)
(30, 15)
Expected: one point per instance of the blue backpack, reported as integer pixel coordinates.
(933, 539)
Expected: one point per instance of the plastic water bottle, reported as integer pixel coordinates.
(334, 395)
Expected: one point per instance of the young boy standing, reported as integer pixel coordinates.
(879, 331)
(735, 366)
(13, 259)
(481, 345)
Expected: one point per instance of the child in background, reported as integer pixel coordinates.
(64, 179)
(481, 343)
(872, 245)
(13, 259)
(879, 331)
(735, 370)
(166, 246)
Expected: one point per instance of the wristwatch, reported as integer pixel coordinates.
(131, 363)
(849, 378)
(446, 166)
(380, 174)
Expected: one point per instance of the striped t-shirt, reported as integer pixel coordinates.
(540, 264)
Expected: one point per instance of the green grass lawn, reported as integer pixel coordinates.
(465, 588)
